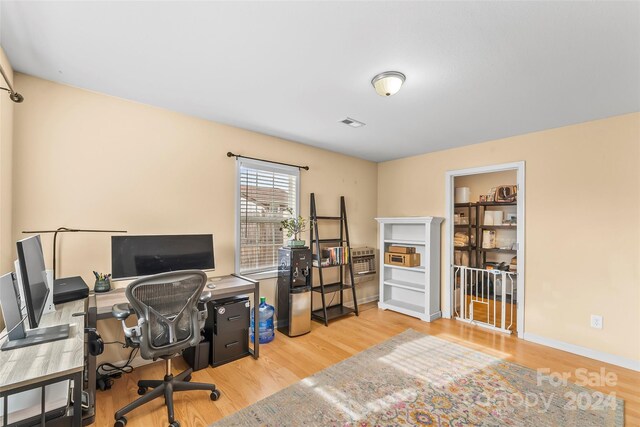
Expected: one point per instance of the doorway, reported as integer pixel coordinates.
(485, 248)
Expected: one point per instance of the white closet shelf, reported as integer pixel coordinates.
(419, 268)
(404, 307)
(419, 287)
(405, 242)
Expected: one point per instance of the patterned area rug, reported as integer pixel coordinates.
(414, 379)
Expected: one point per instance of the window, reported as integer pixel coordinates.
(265, 192)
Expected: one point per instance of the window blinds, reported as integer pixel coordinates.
(265, 194)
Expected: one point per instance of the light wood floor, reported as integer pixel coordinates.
(287, 360)
(483, 311)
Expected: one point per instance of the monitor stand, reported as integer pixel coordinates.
(38, 336)
(18, 337)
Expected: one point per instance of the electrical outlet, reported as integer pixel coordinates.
(596, 321)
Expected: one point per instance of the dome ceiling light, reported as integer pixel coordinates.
(388, 83)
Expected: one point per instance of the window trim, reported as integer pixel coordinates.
(268, 166)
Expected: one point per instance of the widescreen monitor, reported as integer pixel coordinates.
(144, 255)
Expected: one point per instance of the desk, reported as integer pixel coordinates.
(42, 364)
(226, 286)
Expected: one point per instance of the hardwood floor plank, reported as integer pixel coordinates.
(288, 360)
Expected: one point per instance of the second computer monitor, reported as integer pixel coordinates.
(34, 277)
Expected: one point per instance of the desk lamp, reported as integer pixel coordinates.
(68, 230)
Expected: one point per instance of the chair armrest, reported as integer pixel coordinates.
(203, 313)
(205, 297)
(121, 311)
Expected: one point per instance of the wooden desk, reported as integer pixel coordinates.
(42, 364)
(226, 286)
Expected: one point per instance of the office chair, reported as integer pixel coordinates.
(171, 311)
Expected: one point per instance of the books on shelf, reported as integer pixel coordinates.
(338, 255)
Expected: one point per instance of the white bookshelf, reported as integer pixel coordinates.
(414, 291)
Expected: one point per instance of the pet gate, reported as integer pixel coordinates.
(485, 297)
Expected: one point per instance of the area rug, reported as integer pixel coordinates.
(414, 379)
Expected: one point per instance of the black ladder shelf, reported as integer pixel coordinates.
(329, 312)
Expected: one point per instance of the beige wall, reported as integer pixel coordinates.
(88, 160)
(582, 223)
(104, 162)
(6, 146)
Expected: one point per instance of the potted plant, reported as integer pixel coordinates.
(294, 226)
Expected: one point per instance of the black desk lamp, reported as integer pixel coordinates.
(67, 230)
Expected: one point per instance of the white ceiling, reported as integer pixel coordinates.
(476, 71)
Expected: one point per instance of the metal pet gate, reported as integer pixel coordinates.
(485, 297)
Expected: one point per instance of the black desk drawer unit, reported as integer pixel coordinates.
(227, 329)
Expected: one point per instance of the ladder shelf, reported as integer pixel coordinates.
(329, 310)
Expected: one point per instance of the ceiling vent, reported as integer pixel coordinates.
(352, 122)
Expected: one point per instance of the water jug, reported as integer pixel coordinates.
(265, 323)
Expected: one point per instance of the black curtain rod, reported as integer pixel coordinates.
(237, 156)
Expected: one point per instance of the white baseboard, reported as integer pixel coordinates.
(366, 300)
(583, 351)
(435, 316)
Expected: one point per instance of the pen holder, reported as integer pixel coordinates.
(102, 285)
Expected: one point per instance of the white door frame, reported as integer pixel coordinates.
(449, 231)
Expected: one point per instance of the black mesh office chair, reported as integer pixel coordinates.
(171, 310)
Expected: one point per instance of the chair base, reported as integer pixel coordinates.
(165, 388)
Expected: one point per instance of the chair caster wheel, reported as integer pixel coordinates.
(187, 378)
(142, 390)
(174, 424)
(120, 422)
(215, 395)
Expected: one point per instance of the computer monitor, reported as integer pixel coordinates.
(35, 290)
(34, 277)
(144, 255)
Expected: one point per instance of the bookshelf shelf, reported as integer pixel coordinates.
(406, 242)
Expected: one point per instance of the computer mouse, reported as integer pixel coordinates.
(210, 286)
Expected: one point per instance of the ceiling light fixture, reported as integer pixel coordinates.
(388, 83)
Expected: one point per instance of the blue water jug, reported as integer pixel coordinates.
(265, 324)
